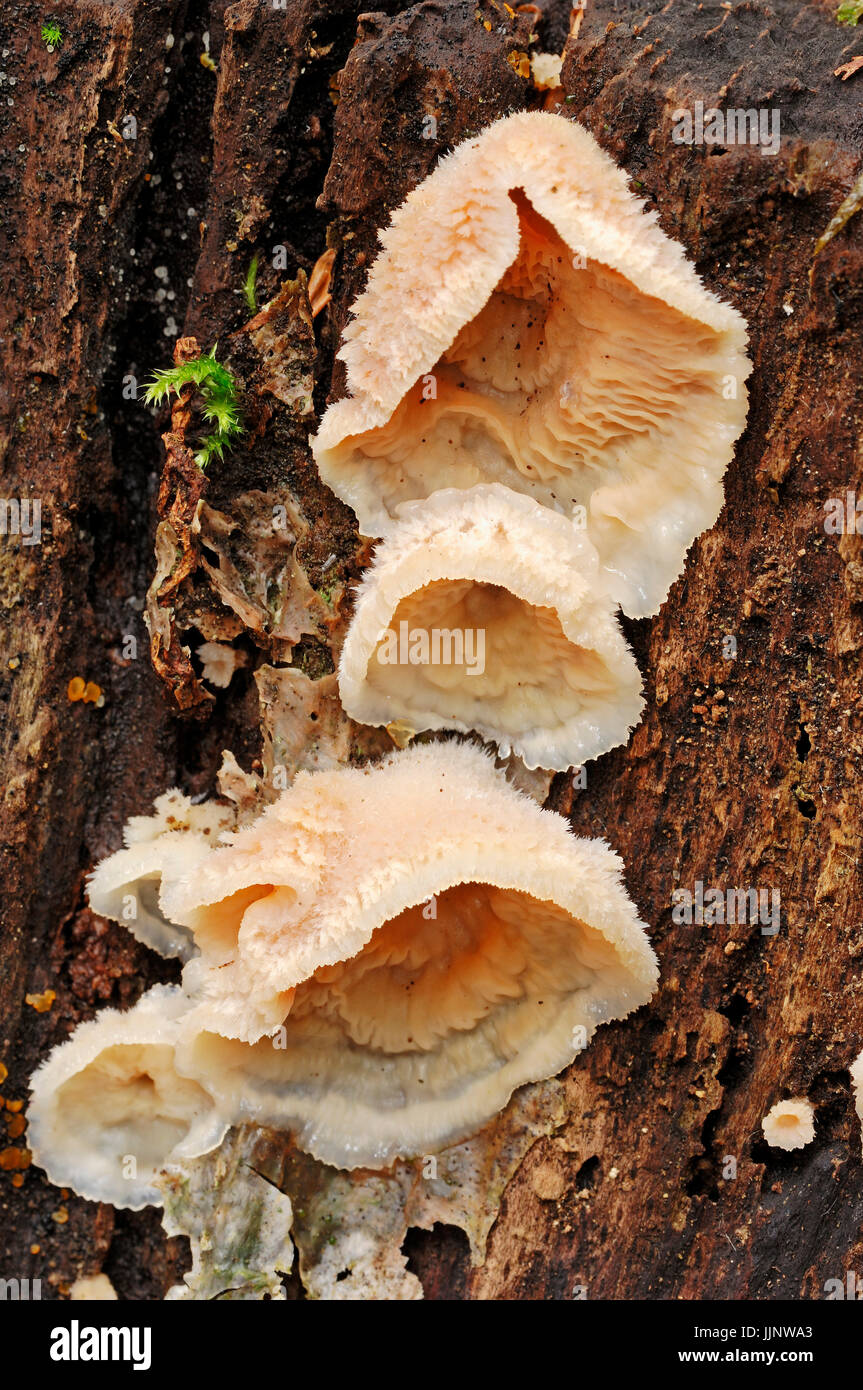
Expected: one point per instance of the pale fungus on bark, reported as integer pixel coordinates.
(379, 970)
(789, 1124)
(485, 611)
(545, 71)
(109, 1108)
(387, 953)
(126, 886)
(528, 322)
(856, 1070)
(219, 662)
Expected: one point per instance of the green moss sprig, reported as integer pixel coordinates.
(217, 389)
(851, 12)
(52, 35)
(250, 284)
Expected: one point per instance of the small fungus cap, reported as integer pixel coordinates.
(790, 1124)
(485, 611)
(219, 661)
(126, 886)
(418, 938)
(528, 323)
(109, 1108)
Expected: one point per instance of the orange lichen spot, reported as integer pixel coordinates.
(17, 1179)
(16, 1125)
(3, 1073)
(75, 689)
(61, 1216)
(401, 733)
(12, 1158)
(41, 1002)
(320, 281)
(35, 1249)
(92, 693)
(519, 62)
(14, 1106)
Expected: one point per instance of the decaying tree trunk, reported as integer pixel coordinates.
(299, 132)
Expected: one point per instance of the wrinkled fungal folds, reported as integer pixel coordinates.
(110, 1108)
(376, 970)
(528, 323)
(426, 973)
(485, 611)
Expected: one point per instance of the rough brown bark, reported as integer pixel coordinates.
(743, 772)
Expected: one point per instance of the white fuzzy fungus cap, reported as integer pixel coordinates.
(790, 1124)
(126, 886)
(528, 323)
(545, 70)
(427, 938)
(109, 1108)
(484, 610)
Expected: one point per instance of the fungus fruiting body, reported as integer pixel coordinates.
(856, 1070)
(109, 1108)
(126, 886)
(93, 1288)
(528, 323)
(790, 1124)
(381, 958)
(387, 953)
(485, 611)
(545, 70)
(219, 662)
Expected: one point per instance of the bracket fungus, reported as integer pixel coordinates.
(109, 1107)
(126, 886)
(528, 323)
(485, 611)
(388, 952)
(789, 1124)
